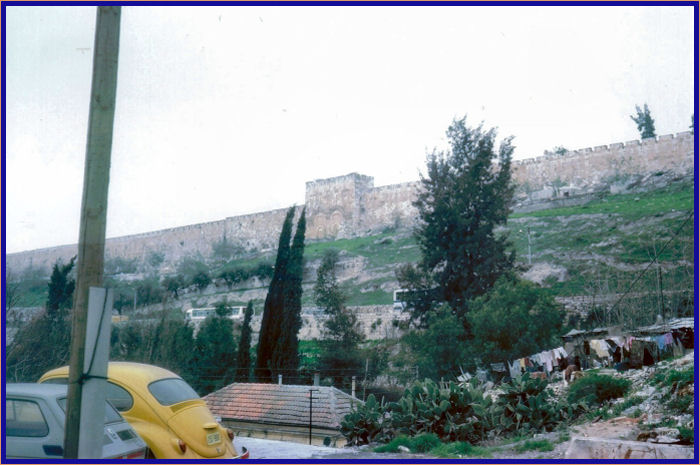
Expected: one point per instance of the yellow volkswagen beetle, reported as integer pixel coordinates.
(164, 410)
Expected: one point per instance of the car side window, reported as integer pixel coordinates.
(55, 381)
(119, 397)
(24, 418)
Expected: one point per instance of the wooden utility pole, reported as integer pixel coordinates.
(93, 215)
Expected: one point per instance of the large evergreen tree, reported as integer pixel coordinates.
(514, 308)
(274, 305)
(464, 196)
(168, 344)
(214, 364)
(174, 351)
(286, 354)
(243, 364)
(44, 342)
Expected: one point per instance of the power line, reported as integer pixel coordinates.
(654, 260)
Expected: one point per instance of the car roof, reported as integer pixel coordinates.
(35, 389)
(137, 372)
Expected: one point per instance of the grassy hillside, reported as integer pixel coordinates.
(602, 246)
(598, 248)
(612, 239)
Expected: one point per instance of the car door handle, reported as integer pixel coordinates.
(53, 450)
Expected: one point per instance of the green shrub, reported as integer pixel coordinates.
(429, 442)
(542, 445)
(452, 449)
(676, 379)
(364, 424)
(393, 445)
(680, 404)
(527, 404)
(453, 413)
(460, 449)
(627, 403)
(686, 434)
(424, 442)
(596, 389)
(668, 377)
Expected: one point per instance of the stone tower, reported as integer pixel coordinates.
(334, 206)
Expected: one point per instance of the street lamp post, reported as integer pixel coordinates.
(311, 409)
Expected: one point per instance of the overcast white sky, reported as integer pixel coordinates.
(225, 110)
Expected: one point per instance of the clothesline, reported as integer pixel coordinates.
(547, 359)
(604, 349)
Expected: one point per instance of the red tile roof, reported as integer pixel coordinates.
(281, 404)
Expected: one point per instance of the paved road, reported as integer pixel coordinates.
(268, 449)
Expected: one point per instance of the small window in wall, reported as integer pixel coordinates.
(23, 418)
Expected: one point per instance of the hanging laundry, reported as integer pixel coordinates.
(560, 353)
(600, 347)
(668, 339)
(619, 341)
(514, 369)
(547, 360)
(660, 342)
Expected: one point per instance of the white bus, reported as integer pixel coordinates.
(200, 314)
(399, 303)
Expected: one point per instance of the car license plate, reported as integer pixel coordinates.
(213, 438)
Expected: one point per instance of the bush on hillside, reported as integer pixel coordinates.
(526, 404)
(595, 389)
(454, 412)
(365, 423)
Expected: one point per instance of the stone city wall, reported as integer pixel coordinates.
(258, 231)
(389, 206)
(606, 163)
(350, 205)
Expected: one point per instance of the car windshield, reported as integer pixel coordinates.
(172, 391)
(111, 414)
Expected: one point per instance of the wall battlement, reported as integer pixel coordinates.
(350, 205)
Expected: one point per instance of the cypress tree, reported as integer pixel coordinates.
(274, 304)
(243, 365)
(286, 355)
